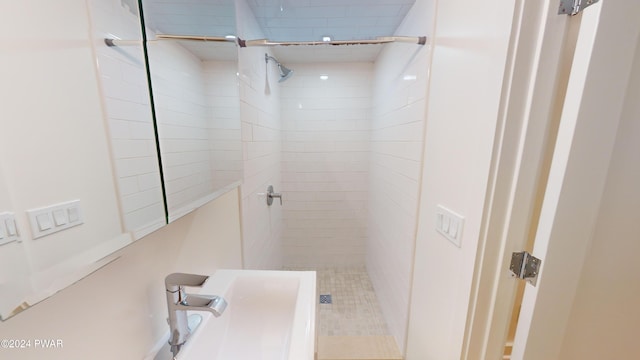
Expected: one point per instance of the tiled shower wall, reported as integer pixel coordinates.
(221, 87)
(197, 110)
(352, 154)
(325, 164)
(182, 115)
(399, 112)
(261, 141)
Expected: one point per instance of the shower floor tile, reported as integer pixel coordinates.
(354, 310)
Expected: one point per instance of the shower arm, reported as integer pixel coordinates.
(267, 57)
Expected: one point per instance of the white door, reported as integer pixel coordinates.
(563, 75)
(589, 84)
(595, 96)
(584, 63)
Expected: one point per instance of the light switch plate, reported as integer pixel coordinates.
(51, 219)
(449, 224)
(8, 228)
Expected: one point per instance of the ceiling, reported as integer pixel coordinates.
(190, 17)
(284, 20)
(310, 20)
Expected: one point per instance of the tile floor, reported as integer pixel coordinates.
(358, 348)
(354, 310)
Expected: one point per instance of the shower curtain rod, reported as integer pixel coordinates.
(118, 42)
(196, 38)
(420, 40)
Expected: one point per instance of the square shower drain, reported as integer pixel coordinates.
(325, 299)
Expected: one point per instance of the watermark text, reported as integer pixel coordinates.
(31, 344)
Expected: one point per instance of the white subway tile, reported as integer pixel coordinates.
(109, 66)
(149, 181)
(123, 149)
(142, 130)
(139, 200)
(127, 110)
(135, 73)
(247, 132)
(128, 185)
(135, 166)
(119, 129)
(140, 218)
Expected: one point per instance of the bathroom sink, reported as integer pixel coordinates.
(270, 316)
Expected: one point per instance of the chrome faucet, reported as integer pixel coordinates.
(179, 302)
(272, 195)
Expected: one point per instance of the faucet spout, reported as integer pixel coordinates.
(179, 302)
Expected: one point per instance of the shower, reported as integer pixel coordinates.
(285, 72)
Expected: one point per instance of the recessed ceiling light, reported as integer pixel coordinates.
(324, 77)
(326, 38)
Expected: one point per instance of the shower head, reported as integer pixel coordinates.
(285, 72)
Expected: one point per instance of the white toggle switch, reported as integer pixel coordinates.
(60, 217)
(44, 221)
(10, 225)
(73, 214)
(453, 228)
(2, 233)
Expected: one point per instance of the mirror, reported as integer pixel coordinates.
(79, 128)
(196, 100)
(123, 80)
(79, 173)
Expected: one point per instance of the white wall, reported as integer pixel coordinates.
(120, 311)
(125, 96)
(261, 142)
(469, 54)
(325, 162)
(15, 284)
(399, 112)
(605, 315)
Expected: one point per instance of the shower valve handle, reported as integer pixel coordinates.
(271, 195)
